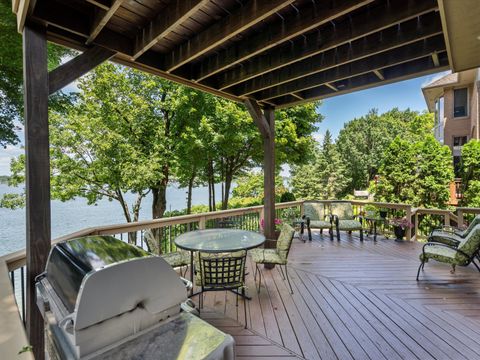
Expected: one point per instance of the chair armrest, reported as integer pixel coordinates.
(335, 219)
(307, 220)
(330, 218)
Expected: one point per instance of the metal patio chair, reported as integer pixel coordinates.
(343, 218)
(317, 218)
(451, 235)
(277, 256)
(463, 254)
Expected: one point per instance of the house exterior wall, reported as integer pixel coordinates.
(460, 126)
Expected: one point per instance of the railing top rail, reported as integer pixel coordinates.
(381, 204)
(469, 210)
(432, 211)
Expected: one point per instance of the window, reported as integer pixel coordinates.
(460, 102)
(459, 140)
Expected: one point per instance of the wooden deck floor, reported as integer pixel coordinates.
(356, 300)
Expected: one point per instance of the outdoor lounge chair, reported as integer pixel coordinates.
(317, 218)
(276, 256)
(220, 272)
(175, 259)
(450, 235)
(343, 218)
(463, 254)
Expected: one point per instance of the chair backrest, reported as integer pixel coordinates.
(314, 210)
(473, 223)
(222, 271)
(284, 241)
(152, 243)
(471, 244)
(343, 210)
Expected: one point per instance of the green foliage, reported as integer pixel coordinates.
(249, 190)
(470, 173)
(363, 141)
(323, 179)
(417, 173)
(287, 197)
(11, 73)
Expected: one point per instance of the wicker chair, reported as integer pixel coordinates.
(220, 272)
(343, 218)
(276, 256)
(317, 218)
(176, 259)
(463, 254)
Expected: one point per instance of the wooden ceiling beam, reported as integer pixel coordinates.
(65, 18)
(307, 18)
(435, 59)
(101, 19)
(258, 117)
(238, 21)
(358, 26)
(379, 74)
(103, 4)
(405, 71)
(331, 86)
(170, 17)
(400, 55)
(385, 40)
(78, 66)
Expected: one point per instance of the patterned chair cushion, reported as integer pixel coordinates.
(444, 254)
(177, 258)
(471, 244)
(267, 256)
(319, 224)
(348, 225)
(314, 210)
(343, 210)
(284, 241)
(444, 237)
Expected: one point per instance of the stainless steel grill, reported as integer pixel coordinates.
(100, 295)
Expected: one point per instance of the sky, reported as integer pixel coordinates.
(337, 110)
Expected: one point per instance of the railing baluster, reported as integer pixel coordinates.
(22, 284)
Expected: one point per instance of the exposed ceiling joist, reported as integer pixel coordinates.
(175, 14)
(379, 18)
(405, 71)
(101, 18)
(246, 16)
(306, 19)
(374, 44)
(379, 74)
(397, 56)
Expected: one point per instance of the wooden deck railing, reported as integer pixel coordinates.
(12, 266)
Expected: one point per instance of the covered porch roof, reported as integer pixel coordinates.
(278, 53)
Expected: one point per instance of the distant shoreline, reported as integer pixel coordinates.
(4, 179)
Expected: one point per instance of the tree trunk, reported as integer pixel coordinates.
(189, 194)
(228, 184)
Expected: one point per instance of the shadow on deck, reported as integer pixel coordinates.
(355, 300)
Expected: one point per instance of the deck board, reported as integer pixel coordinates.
(355, 300)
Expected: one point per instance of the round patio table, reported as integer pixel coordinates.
(217, 241)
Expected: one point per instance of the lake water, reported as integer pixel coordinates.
(75, 215)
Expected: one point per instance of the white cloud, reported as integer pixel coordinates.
(6, 155)
(435, 77)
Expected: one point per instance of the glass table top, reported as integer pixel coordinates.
(219, 240)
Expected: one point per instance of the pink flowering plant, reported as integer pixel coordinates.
(278, 224)
(401, 222)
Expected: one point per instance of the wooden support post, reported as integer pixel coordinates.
(408, 216)
(265, 122)
(460, 218)
(37, 174)
(269, 177)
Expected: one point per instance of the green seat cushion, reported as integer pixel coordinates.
(177, 258)
(471, 243)
(319, 224)
(314, 210)
(343, 210)
(349, 225)
(444, 254)
(267, 256)
(444, 237)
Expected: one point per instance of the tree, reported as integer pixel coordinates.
(11, 73)
(249, 189)
(417, 173)
(363, 141)
(324, 178)
(114, 137)
(470, 173)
